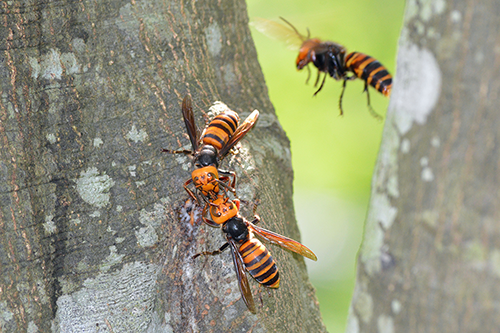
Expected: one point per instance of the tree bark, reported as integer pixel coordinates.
(430, 258)
(90, 236)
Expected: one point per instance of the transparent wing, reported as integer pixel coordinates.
(192, 129)
(283, 241)
(279, 31)
(245, 290)
(239, 133)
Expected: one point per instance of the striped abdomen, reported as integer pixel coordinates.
(370, 70)
(259, 263)
(220, 129)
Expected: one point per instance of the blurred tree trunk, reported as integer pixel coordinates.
(430, 258)
(90, 238)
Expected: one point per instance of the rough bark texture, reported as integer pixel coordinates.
(90, 238)
(430, 259)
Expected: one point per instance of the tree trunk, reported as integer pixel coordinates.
(430, 258)
(90, 236)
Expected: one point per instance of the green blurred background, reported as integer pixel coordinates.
(333, 157)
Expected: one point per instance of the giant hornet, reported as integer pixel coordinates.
(247, 251)
(331, 59)
(210, 147)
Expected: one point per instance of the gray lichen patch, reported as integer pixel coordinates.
(455, 16)
(79, 45)
(53, 64)
(122, 300)
(154, 217)
(112, 259)
(214, 39)
(382, 213)
(135, 135)
(418, 92)
(147, 236)
(132, 169)
(184, 161)
(50, 67)
(385, 324)
(435, 141)
(424, 10)
(68, 60)
(405, 146)
(95, 214)
(427, 175)
(49, 225)
(98, 142)
(364, 306)
(159, 325)
(217, 108)
(32, 328)
(352, 323)
(380, 217)
(396, 306)
(51, 137)
(127, 20)
(94, 188)
(35, 67)
(5, 316)
(430, 8)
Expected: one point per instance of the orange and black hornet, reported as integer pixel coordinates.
(247, 251)
(210, 147)
(331, 58)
